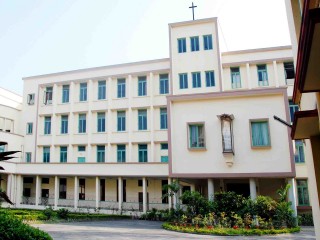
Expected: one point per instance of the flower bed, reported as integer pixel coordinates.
(211, 230)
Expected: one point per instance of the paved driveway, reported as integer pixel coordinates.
(138, 229)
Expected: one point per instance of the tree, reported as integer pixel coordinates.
(172, 190)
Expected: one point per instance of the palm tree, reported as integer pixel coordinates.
(3, 157)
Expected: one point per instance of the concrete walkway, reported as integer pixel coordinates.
(138, 229)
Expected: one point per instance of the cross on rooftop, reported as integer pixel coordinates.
(193, 6)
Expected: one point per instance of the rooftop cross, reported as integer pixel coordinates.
(193, 6)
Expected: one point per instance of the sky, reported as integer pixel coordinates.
(47, 36)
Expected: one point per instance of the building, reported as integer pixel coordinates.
(304, 19)
(111, 137)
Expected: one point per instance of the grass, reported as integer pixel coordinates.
(229, 231)
(30, 215)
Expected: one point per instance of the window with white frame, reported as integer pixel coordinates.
(28, 157)
(182, 45)
(83, 92)
(81, 154)
(299, 153)
(289, 72)
(262, 75)
(101, 122)
(46, 154)
(47, 125)
(101, 153)
(164, 83)
(235, 77)
(29, 128)
(82, 128)
(64, 124)
(121, 121)
(142, 86)
(207, 42)
(210, 82)
(30, 99)
(293, 108)
(183, 80)
(63, 154)
(163, 118)
(121, 153)
(142, 119)
(196, 80)
(65, 93)
(260, 135)
(121, 93)
(194, 43)
(196, 135)
(143, 152)
(48, 95)
(102, 88)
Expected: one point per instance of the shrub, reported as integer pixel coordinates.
(12, 228)
(48, 213)
(196, 203)
(229, 202)
(264, 207)
(305, 219)
(63, 213)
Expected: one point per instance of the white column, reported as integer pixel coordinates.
(56, 191)
(144, 194)
(253, 188)
(292, 195)
(76, 192)
(120, 191)
(19, 190)
(276, 77)
(248, 76)
(38, 187)
(97, 192)
(9, 186)
(210, 189)
(169, 197)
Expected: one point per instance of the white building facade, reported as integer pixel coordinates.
(111, 137)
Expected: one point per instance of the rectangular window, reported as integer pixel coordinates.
(63, 188)
(196, 136)
(28, 157)
(82, 123)
(182, 45)
(30, 99)
(260, 136)
(183, 79)
(165, 198)
(2, 148)
(196, 79)
(143, 152)
(121, 88)
(262, 75)
(45, 180)
(65, 93)
(164, 83)
(102, 90)
(142, 86)
(207, 42)
(63, 154)
(210, 82)
(101, 153)
(64, 124)
(164, 146)
(81, 148)
(303, 194)
(163, 118)
(121, 121)
(121, 153)
(164, 158)
(82, 189)
(81, 151)
(235, 77)
(29, 128)
(48, 95)
(101, 124)
(289, 71)
(83, 92)
(293, 108)
(142, 119)
(299, 153)
(46, 154)
(194, 42)
(47, 125)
